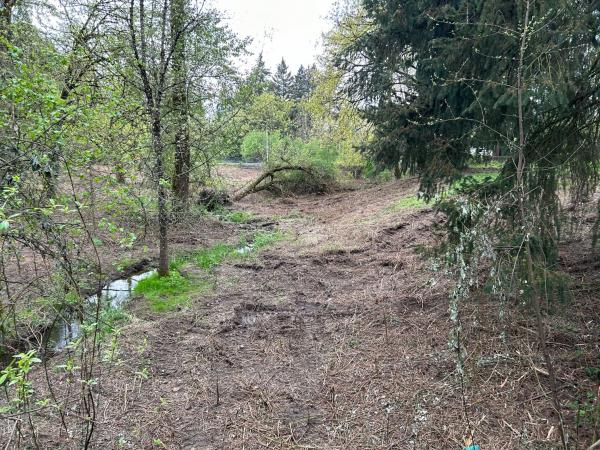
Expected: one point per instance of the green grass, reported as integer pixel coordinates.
(264, 239)
(415, 202)
(216, 255)
(479, 177)
(476, 178)
(406, 203)
(211, 257)
(167, 293)
(238, 217)
(112, 319)
(229, 216)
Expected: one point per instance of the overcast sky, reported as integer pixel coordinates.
(280, 28)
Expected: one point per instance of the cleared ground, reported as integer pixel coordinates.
(336, 338)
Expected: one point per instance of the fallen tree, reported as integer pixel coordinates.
(268, 180)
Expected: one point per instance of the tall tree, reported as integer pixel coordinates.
(283, 81)
(443, 81)
(179, 104)
(258, 79)
(444, 85)
(152, 50)
(303, 84)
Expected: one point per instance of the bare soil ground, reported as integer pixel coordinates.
(336, 338)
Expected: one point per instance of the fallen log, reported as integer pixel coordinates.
(267, 181)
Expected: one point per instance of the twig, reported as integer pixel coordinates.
(12, 434)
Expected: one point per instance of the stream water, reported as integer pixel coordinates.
(113, 295)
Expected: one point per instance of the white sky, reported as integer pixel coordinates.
(280, 28)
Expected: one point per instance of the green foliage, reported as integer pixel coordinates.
(304, 83)
(112, 318)
(468, 183)
(586, 409)
(265, 239)
(289, 124)
(258, 81)
(456, 64)
(211, 257)
(319, 160)
(593, 373)
(484, 164)
(237, 217)
(16, 376)
(262, 145)
(166, 293)
(283, 82)
(406, 203)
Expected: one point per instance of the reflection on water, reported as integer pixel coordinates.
(113, 295)
(119, 291)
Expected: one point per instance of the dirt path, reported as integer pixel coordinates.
(334, 338)
(314, 343)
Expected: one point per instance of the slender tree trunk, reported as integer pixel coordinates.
(6, 7)
(181, 176)
(154, 96)
(163, 215)
(525, 222)
(397, 171)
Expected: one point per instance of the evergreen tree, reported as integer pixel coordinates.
(442, 81)
(283, 81)
(303, 83)
(259, 76)
(439, 81)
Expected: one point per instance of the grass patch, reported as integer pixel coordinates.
(211, 257)
(167, 293)
(237, 217)
(113, 318)
(415, 202)
(264, 239)
(471, 179)
(479, 177)
(406, 203)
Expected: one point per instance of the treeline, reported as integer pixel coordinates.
(279, 117)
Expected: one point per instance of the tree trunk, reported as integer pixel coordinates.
(163, 216)
(397, 171)
(179, 100)
(527, 229)
(6, 7)
(259, 185)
